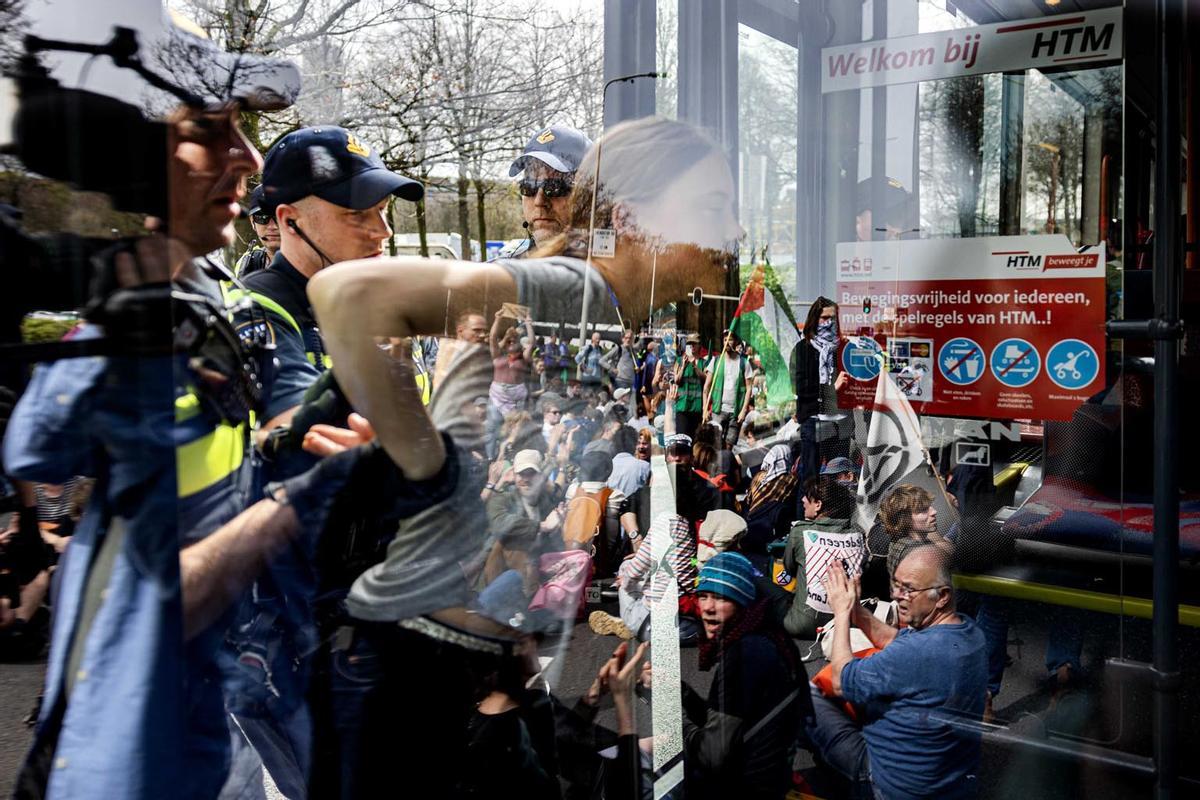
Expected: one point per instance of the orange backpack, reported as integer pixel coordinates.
(585, 515)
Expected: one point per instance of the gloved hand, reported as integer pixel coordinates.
(323, 404)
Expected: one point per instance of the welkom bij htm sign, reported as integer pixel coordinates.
(1055, 41)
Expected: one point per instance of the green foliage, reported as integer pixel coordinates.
(37, 328)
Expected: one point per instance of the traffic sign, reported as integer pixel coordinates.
(861, 358)
(961, 361)
(1072, 364)
(1015, 362)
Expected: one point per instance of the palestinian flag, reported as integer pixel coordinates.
(765, 326)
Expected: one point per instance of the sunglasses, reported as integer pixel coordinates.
(261, 219)
(552, 187)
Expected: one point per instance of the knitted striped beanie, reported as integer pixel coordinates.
(729, 575)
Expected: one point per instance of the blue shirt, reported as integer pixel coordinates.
(908, 692)
(589, 360)
(126, 730)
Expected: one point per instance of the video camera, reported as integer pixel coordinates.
(95, 113)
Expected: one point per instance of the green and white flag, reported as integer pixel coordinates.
(761, 323)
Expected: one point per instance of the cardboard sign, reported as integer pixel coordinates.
(514, 311)
(1052, 41)
(1005, 327)
(822, 548)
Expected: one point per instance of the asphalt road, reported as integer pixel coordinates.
(19, 686)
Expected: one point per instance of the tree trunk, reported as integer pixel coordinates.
(464, 221)
(391, 217)
(479, 207)
(422, 232)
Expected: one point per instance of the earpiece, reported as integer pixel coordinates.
(525, 225)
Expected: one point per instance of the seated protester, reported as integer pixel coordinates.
(705, 464)
(24, 583)
(510, 748)
(638, 590)
(737, 741)
(725, 532)
(58, 509)
(843, 471)
(519, 432)
(908, 695)
(616, 524)
(828, 508)
(906, 515)
(771, 498)
(523, 492)
(551, 406)
(631, 475)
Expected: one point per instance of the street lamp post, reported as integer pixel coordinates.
(587, 284)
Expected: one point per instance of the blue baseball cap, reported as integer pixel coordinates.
(729, 575)
(837, 466)
(558, 147)
(254, 203)
(333, 164)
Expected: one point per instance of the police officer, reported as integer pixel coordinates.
(266, 229)
(328, 192)
(547, 168)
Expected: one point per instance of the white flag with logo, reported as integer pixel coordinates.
(893, 448)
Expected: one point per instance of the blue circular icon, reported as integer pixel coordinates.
(1015, 362)
(861, 358)
(1072, 364)
(961, 361)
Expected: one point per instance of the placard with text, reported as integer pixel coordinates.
(1007, 327)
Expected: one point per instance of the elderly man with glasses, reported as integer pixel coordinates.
(547, 168)
(912, 697)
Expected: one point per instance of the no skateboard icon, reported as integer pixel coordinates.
(1015, 362)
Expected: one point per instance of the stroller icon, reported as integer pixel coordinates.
(1069, 366)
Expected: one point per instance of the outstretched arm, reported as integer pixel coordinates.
(528, 353)
(494, 335)
(361, 300)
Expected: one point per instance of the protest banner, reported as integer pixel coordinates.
(821, 549)
(1008, 327)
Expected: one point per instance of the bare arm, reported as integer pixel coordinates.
(360, 300)
(494, 336)
(746, 399)
(215, 570)
(879, 632)
(528, 352)
(705, 402)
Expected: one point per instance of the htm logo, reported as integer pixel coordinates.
(1024, 262)
(1081, 40)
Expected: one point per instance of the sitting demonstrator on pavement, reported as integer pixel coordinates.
(909, 694)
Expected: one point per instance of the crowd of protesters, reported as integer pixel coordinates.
(442, 484)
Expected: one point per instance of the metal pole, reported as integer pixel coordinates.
(1167, 265)
(587, 284)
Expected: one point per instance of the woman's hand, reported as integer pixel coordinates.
(840, 382)
(327, 440)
